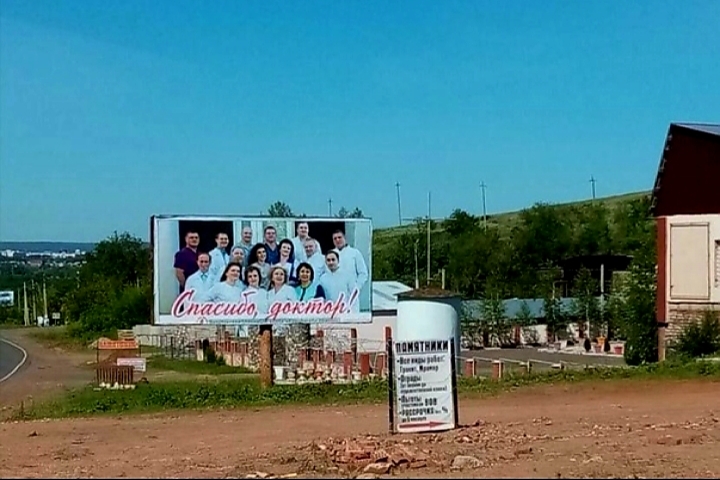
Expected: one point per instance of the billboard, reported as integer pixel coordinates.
(261, 270)
(7, 298)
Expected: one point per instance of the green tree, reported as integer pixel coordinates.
(553, 312)
(121, 257)
(526, 320)
(494, 315)
(460, 223)
(524, 317)
(541, 239)
(639, 321)
(280, 209)
(345, 213)
(115, 289)
(476, 259)
(592, 232)
(633, 227)
(586, 304)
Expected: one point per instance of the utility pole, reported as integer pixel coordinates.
(417, 267)
(592, 186)
(429, 217)
(26, 314)
(330, 207)
(397, 187)
(484, 204)
(45, 309)
(34, 303)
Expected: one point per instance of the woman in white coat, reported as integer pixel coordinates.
(258, 257)
(287, 258)
(254, 291)
(279, 290)
(229, 289)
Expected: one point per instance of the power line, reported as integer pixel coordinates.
(592, 186)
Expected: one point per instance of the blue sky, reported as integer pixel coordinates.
(113, 111)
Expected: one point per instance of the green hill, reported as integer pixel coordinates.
(505, 221)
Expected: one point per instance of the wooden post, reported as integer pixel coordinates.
(364, 365)
(353, 344)
(497, 370)
(348, 363)
(470, 368)
(380, 359)
(266, 354)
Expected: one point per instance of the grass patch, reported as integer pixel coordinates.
(56, 337)
(199, 395)
(11, 326)
(193, 366)
(246, 392)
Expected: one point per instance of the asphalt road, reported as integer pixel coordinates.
(11, 357)
(525, 354)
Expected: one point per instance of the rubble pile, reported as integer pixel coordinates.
(370, 456)
(479, 446)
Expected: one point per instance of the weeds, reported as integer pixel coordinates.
(56, 337)
(700, 338)
(217, 367)
(246, 392)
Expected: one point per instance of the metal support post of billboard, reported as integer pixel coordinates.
(265, 352)
(453, 372)
(391, 384)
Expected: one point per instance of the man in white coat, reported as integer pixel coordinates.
(202, 280)
(302, 230)
(334, 280)
(313, 256)
(351, 260)
(219, 257)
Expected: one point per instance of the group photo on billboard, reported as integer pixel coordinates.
(261, 270)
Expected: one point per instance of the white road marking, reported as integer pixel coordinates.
(19, 365)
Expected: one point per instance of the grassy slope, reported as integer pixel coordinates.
(505, 221)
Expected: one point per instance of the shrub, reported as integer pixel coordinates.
(210, 356)
(700, 338)
(219, 360)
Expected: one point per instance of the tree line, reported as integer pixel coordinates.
(492, 260)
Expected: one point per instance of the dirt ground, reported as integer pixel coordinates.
(615, 429)
(619, 429)
(46, 371)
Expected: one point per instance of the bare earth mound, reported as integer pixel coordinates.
(620, 429)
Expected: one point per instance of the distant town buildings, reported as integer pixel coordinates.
(35, 259)
(17, 254)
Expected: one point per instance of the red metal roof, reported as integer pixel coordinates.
(687, 178)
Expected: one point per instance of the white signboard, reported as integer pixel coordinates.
(139, 363)
(7, 298)
(424, 396)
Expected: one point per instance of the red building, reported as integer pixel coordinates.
(686, 205)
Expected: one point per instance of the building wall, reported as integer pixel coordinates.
(689, 277)
(683, 314)
(370, 336)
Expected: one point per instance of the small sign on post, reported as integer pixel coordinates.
(423, 386)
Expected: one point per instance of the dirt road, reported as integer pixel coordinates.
(45, 372)
(615, 429)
